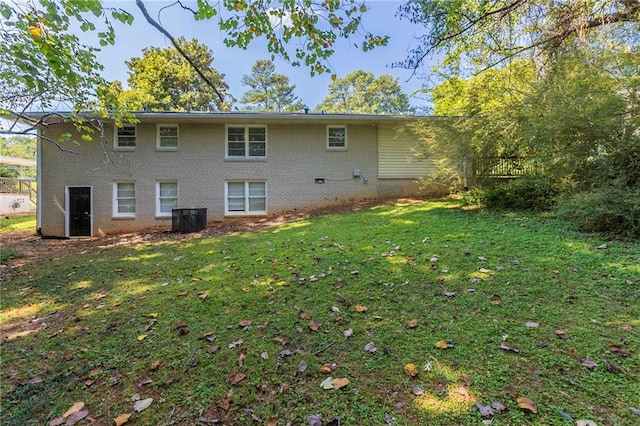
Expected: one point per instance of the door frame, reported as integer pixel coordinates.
(67, 218)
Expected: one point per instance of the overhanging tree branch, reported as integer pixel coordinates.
(177, 46)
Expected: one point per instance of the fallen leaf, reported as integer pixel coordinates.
(272, 422)
(484, 270)
(361, 308)
(315, 420)
(441, 344)
(314, 325)
(498, 406)
(305, 315)
(370, 347)
(58, 421)
(264, 355)
(280, 340)
(142, 405)
(224, 404)
(76, 417)
(155, 364)
(562, 334)
(485, 410)
(412, 323)
(610, 367)
(302, 367)
(531, 324)
(602, 247)
(245, 323)
(450, 294)
(178, 325)
(142, 337)
(339, 383)
(347, 333)
(152, 315)
(284, 353)
(635, 411)
(410, 369)
(588, 362)
(145, 381)
(183, 293)
(586, 423)
(506, 347)
(327, 383)
(77, 406)
(417, 390)
(527, 404)
(326, 368)
(122, 419)
(235, 343)
(237, 378)
(618, 350)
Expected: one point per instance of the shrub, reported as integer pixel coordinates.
(611, 210)
(525, 193)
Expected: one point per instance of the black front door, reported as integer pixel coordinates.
(80, 211)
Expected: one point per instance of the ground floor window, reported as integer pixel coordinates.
(166, 197)
(124, 199)
(246, 197)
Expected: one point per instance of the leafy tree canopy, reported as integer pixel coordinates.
(162, 80)
(362, 92)
(269, 91)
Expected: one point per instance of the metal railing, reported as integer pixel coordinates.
(19, 186)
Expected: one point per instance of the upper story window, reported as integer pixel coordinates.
(125, 137)
(337, 137)
(246, 142)
(167, 137)
(124, 199)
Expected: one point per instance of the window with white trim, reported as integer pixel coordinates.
(167, 137)
(336, 137)
(125, 137)
(246, 197)
(166, 197)
(124, 199)
(246, 142)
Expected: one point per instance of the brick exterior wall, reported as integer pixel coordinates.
(297, 155)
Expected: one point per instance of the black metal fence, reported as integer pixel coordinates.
(502, 167)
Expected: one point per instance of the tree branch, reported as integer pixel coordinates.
(175, 44)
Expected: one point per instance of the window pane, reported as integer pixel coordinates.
(126, 136)
(257, 149)
(337, 136)
(168, 136)
(236, 149)
(127, 206)
(168, 189)
(257, 204)
(256, 189)
(257, 134)
(166, 204)
(235, 189)
(126, 190)
(236, 204)
(235, 134)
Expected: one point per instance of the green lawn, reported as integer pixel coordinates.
(244, 328)
(17, 223)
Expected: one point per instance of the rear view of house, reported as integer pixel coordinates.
(132, 177)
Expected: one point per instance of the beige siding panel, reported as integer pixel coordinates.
(396, 159)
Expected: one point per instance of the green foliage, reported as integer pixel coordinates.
(162, 80)
(19, 146)
(526, 193)
(363, 93)
(269, 91)
(609, 209)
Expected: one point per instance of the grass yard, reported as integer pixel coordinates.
(403, 314)
(17, 223)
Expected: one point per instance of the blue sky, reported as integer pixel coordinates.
(234, 63)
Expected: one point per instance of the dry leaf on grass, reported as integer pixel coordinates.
(339, 383)
(361, 308)
(237, 378)
(412, 323)
(74, 409)
(527, 404)
(122, 419)
(410, 369)
(142, 404)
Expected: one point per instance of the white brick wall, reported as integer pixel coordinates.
(296, 156)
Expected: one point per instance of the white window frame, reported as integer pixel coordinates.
(116, 138)
(117, 198)
(247, 197)
(246, 141)
(159, 183)
(159, 145)
(334, 147)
